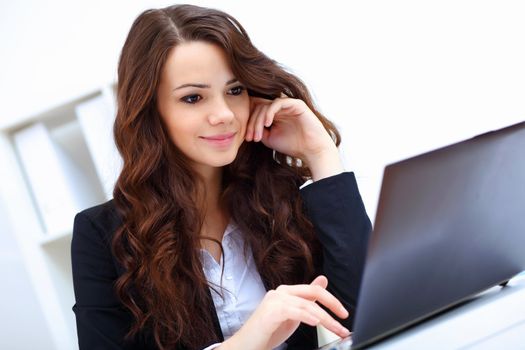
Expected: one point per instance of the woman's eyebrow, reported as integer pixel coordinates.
(203, 86)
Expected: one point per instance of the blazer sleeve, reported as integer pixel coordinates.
(338, 214)
(102, 323)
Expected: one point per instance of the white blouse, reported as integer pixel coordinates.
(242, 288)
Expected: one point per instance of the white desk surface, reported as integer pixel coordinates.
(495, 319)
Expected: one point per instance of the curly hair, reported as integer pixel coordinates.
(158, 244)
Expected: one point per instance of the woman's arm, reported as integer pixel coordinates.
(336, 209)
(332, 201)
(101, 321)
(282, 310)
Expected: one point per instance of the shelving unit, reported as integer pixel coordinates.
(79, 133)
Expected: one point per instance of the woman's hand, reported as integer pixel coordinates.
(288, 126)
(282, 310)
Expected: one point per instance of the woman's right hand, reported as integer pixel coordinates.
(282, 310)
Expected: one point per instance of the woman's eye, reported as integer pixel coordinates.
(191, 99)
(237, 90)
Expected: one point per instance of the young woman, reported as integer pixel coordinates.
(209, 241)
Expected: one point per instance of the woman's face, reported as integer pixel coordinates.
(203, 106)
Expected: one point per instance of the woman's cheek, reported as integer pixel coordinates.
(244, 121)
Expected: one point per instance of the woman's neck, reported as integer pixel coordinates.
(212, 179)
(215, 215)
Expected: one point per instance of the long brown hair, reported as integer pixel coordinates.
(158, 243)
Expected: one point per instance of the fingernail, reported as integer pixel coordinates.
(345, 331)
(345, 311)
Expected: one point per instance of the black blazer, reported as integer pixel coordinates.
(333, 205)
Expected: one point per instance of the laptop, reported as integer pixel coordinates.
(450, 224)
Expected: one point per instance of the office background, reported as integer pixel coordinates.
(398, 78)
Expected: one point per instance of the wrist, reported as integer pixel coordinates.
(240, 340)
(229, 344)
(325, 163)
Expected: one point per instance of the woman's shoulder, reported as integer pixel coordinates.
(103, 218)
(91, 253)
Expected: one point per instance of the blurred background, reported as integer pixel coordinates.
(397, 77)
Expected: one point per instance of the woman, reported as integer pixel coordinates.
(209, 242)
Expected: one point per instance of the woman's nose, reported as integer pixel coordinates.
(221, 112)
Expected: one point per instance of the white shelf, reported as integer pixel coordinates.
(81, 173)
(55, 237)
(66, 108)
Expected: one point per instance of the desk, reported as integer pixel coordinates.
(494, 319)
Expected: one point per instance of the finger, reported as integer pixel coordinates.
(302, 315)
(255, 121)
(294, 308)
(259, 124)
(316, 293)
(265, 137)
(270, 113)
(314, 311)
(251, 123)
(268, 118)
(320, 281)
(325, 319)
(277, 105)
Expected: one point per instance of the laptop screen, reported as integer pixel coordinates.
(449, 224)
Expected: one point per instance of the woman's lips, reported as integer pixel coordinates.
(222, 140)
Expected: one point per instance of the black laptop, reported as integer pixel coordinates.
(450, 223)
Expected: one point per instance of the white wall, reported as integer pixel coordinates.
(398, 77)
(22, 325)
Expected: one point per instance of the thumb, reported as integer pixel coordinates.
(320, 281)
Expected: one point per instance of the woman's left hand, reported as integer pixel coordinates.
(288, 126)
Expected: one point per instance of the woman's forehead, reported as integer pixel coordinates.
(197, 62)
